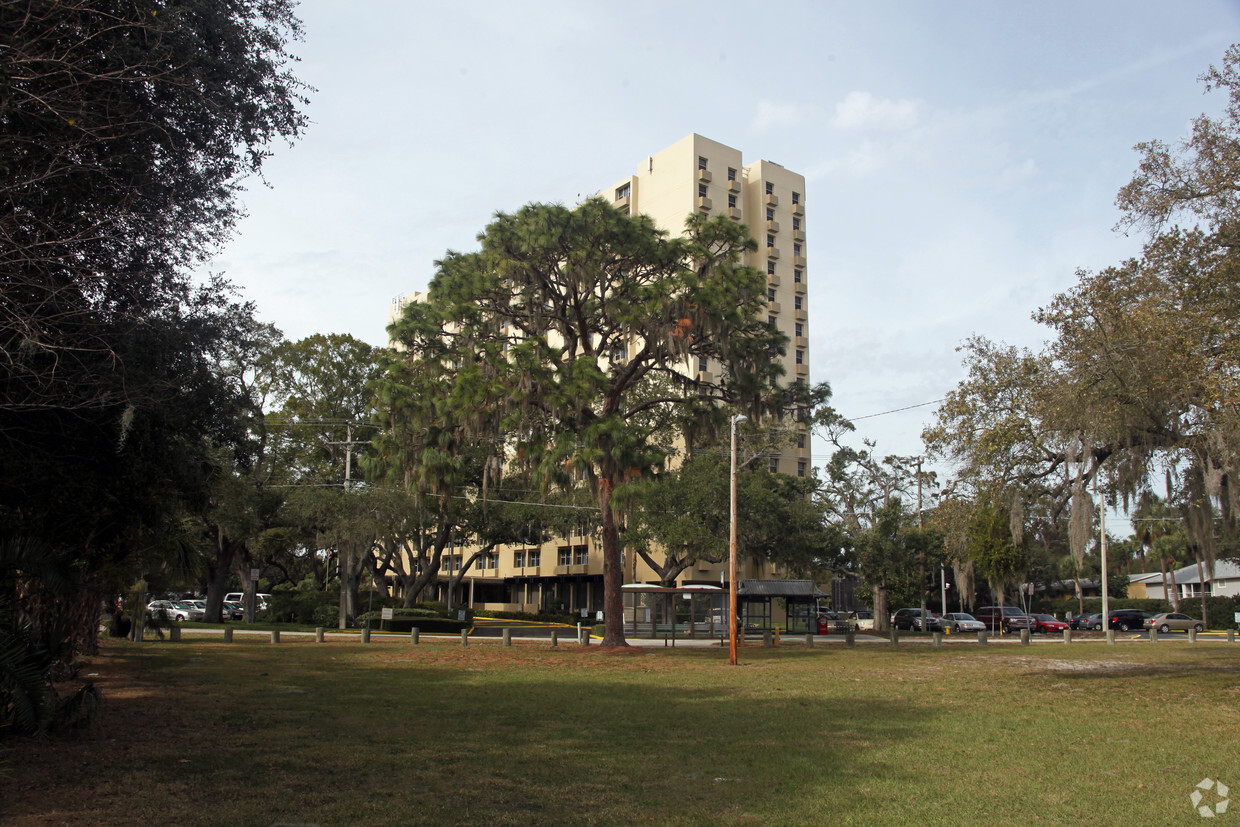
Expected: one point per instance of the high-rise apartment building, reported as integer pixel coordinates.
(695, 174)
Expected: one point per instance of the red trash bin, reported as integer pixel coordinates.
(824, 625)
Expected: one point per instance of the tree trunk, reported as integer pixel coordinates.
(1201, 576)
(881, 620)
(1080, 596)
(613, 576)
(1175, 592)
(218, 571)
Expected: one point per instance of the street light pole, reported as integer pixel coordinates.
(739, 418)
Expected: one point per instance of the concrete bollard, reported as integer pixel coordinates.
(366, 635)
(1153, 635)
(894, 636)
(1025, 637)
(767, 639)
(1067, 635)
(1192, 635)
(1231, 635)
(809, 640)
(850, 640)
(319, 631)
(413, 635)
(555, 639)
(275, 635)
(228, 633)
(937, 637)
(983, 638)
(1110, 636)
(464, 637)
(508, 637)
(174, 633)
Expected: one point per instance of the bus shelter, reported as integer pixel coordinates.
(766, 604)
(652, 610)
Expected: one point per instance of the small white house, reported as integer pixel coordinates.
(1223, 582)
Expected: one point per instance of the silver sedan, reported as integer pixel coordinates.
(963, 622)
(1173, 621)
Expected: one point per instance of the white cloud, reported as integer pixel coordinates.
(776, 115)
(1017, 174)
(863, 111)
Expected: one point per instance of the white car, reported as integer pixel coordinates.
(862, 621)
(960, 622)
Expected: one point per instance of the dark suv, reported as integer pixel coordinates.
(1006, 618)
(911, 619)
(1127, 620)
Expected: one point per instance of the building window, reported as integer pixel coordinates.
(796, 223)
(796, 302)
(800, 440)
(619, 353)
(770, 320)
(770, 294)
(701, 364)
(565, 556)
(535, 559)
(772, 465)
(581, 555)
(800, 330)
(796, 198)
(796, 250)
(797, 275)
(732, 201)
(622, 192)
(770, 241)
(770, 268)
(770, 188)
(701, 190)
(701, 162)
(800, 468)
(800, 357)
(518, 559)
(731, 174)
(770, 214)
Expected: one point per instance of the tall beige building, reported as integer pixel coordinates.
(695, 174)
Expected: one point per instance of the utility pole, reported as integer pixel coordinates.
(925, 620)
(1102, 516)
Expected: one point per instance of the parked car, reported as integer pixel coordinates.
(910, 619)
(232, 611)
(960, 622)
(1174, 621)
(1127, 620)
(1047, 623)
(160, 609)
(184, 610)
(862, 621)
(260, 600)
(1080, 622)
(832, 622)
(1005, 618)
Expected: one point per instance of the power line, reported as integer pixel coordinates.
(894, 410)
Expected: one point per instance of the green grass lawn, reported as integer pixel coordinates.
(202, 732)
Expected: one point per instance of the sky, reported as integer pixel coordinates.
(961, 159)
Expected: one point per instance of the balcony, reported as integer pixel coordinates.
(772, 307)
(801, 315)
(734, 185)
(772, 226)
(802, 342)
(772, 252)
(798, 209)
(802, 369)
(772, 200)
(624, 202)
(704, 175)
(734, 213)
(798, 261)
(799, 286)
(703, 203)
(798, 234)
(772, 280)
